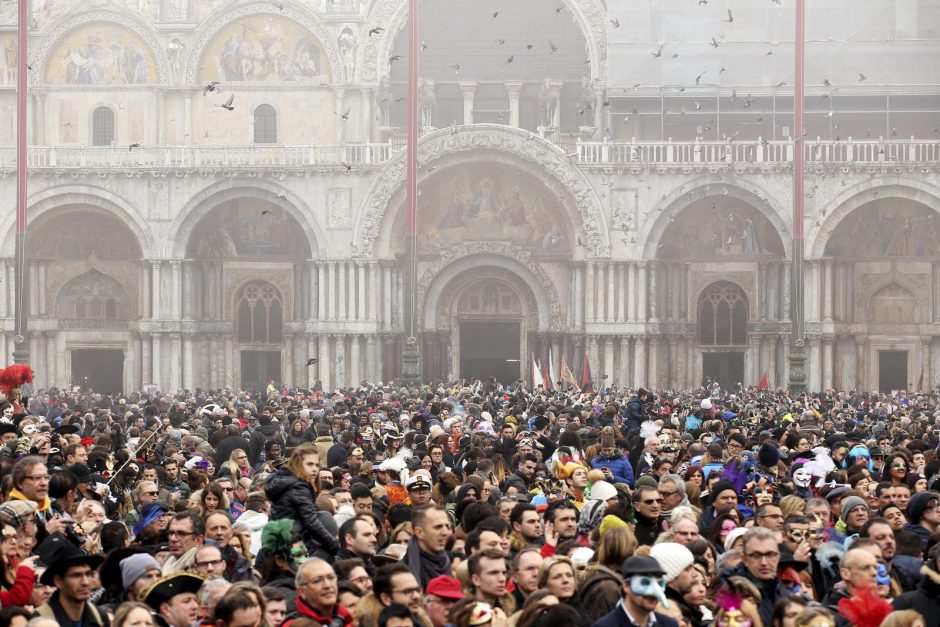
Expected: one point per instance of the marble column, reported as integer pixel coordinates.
(513, 90)
(827, 292)
(39, 116)
(370, 372)
(632, 298)
(373, 294)
(344, 296)
(772, 377)
(326, 363)
(331, 291)
(159, 130)
(188, 382)
(355, 360)
(622, 269)
(361, 291)
(653, 291)
(156, 285)
(42, 288)
(609, 361)
(653, 354)
(580, 294)
(175, 360)
(468, 89)
(828, 343)
(340, 347)
(641, 292)
(641, 376)
(321, 291)
(610, 303)
(623, 378)
(230, 380)
(673, 378)
(590, 293)
(387, 297)
(158, 361)
(188, 117)
(287, 368)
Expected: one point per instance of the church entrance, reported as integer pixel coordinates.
(725, 368)
(892, 371)
(490, 349)
(259, 367)
(99, 369)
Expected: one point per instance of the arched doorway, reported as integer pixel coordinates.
(259, 324)
(722, 333)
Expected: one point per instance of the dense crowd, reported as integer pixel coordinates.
(470, 504)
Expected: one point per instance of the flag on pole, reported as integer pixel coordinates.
(551, 370)
(546, 380)
(920, 380)
(537, 378)
(764, 383)
(586, 381)
(566, 375)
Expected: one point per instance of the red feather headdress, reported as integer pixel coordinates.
(865, 608)
(14, 376)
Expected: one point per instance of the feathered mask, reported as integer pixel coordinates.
(14, 376)
(865, 608)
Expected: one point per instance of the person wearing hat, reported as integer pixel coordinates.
(441, 594)
(677, 563)
(644, 580)
(923, 517)
(419, 490)
(173, 598)
(71, 571)
(855, 513)
(126, 572)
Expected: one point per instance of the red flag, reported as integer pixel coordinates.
(764, 383)
(566, 375)
(586, 382)
(920, 380)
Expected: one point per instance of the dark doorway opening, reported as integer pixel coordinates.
(259, 367)
(490, 348)
(725, 368)
(892, 370)
(99, 369)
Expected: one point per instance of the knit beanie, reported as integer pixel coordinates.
(733, 535)
(135, 566)
(719, 487)
(672, 557)
(610, 522)
(647, 481)
(917, 505)
(850, 503)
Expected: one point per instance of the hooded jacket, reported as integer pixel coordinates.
(292, 498)
(268, 429)
(925, 599)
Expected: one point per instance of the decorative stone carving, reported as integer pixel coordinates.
(306, 19)
(67, 24)
(281, 278)
(447, 302)
(338, 208)
(524, 257)
(624, 208)
(348, 42)
(498, 138)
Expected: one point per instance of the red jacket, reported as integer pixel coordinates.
(305, 611)
(21, 590)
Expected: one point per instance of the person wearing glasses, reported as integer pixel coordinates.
(31, 483)
(859, 569)
(761, 557)
(186, 534)
(146, 493)
(318, 596)
(647, 509)
(923, 515)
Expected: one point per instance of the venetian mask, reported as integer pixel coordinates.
(802, 477)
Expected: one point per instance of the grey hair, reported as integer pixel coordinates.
(758, 533)
(676, 480)
(210, 586)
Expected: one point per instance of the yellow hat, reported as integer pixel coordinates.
(610, 521)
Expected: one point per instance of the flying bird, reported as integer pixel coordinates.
(714, 43)
(659, 52)
(558, 10)
(266, 212)
(615, 22)
(730, 17)
(699, 78)
(511, 59)
(495, 15)
(311, 361)
(552, 47)
(132, 146)
(345, 114)
(378, 30)
(827, 83)
(347, 166)
(394, 58)
(580, 243)
(500, 42)
(423, 46)
(210, 87)
(229, 104)
(861, 77)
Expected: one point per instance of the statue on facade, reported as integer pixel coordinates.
(427, 100)
(548, 101)
(383, 97)
(347, 42)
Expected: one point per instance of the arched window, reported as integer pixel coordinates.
(259, 314)
(92, 300)
(102, 127)
(722, 315)
(265, 124)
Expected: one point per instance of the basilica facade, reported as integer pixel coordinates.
(217, 196)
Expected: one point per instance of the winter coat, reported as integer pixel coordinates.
(336, 456)
(259, 439)
(292, 498)
(925, 599)
(324, 442)
(770, 590)
(634, 414)
(517, 480)
(619, 466)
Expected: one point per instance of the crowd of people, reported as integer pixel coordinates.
(470, 504)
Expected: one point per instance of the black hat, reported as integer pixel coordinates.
(58, 554)
(110, 572)
(66, 429)
(81, 472)
(7, 427)
(162, 590)
(641, 565)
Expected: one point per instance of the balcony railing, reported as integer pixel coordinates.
(715, 152)
(255, 156)
(582, 152)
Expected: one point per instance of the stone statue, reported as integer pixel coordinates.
(347, 42)
(174, 52)
(426, 102)
(383, 105)
(547, 103)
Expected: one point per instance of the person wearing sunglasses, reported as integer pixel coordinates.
(647, 507)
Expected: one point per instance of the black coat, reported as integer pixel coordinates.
(292, 498)
(633, 415)
(336, 456)
(925, 599)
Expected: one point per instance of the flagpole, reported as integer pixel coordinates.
(797, 380)
(20, 345)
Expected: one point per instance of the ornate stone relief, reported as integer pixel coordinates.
(338, 208)
(503, 139)
(454, 253)
(281, 278)
(446, 303)
(624, 208)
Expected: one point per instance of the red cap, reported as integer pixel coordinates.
(445, 587)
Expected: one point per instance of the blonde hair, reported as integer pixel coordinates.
(903, 618)
(546, 567)
(614, 546)
(124, 610)
(791, 504)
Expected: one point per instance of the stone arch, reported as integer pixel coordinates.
(722, 314)
(851, 199)
(371, 233)
(894, 304)
(43, 206)
(673, 204)
(894, 284)
(204, 202)
(372, 59)
(69, 23)
(227, 15)
(93, 299)
(458, 260)
(258, 313)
